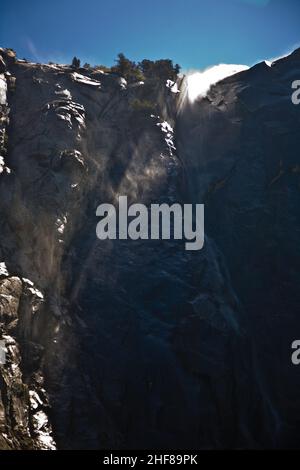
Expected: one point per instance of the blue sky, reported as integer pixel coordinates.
(194, 33)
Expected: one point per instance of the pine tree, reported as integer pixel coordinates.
(75, 63)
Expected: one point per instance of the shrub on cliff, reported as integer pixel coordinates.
(157, 70)
(75, 63)
(127, 69)
(143, 106)
(161, 70)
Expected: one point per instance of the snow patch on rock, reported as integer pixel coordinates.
(3, 270)
(3, 90)
(77, 77)
(65, 94)
(168, 132)
(172, 86)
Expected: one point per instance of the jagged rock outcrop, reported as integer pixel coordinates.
(24, 403)
(134, 344)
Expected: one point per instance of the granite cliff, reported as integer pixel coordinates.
(141, 344)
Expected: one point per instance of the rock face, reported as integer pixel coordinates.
(240, 146)
(140, 344)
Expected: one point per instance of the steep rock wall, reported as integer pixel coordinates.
(139, 344)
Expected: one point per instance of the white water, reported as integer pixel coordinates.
(199, 83)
